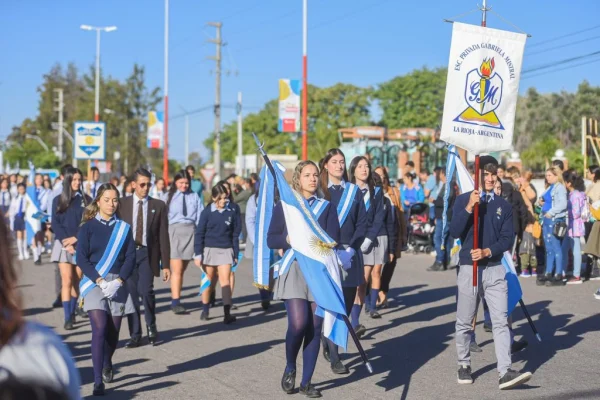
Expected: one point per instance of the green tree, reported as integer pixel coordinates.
(413, 100)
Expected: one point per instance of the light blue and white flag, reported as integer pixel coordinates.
(466, 184)
(314, 251)
(204, 282)
(33, 210)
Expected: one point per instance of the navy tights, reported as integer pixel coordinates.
(105, 336)
(303, 327)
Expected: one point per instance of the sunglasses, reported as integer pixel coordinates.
(143, 185)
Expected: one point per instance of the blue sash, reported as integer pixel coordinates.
(346, 202)
(367, 197)
(115, 243)
(282, 267)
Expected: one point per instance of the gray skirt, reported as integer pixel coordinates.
(181, 237)
(59, 255)
(355, 275)
(118, 306)
(379, 253)
(214, 256)
(292, 285)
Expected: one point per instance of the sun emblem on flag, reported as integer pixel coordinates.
(483, 95)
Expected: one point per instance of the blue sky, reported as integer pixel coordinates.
(361, 42)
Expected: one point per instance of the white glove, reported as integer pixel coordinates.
(345, 257)
(111, 289)
(103, 285)
(366, 245)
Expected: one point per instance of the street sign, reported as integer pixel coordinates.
(90, 140)
(208, 174)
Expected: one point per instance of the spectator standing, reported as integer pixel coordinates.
(578, 213)
(196, 185)
(411, 192)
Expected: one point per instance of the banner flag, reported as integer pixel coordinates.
(289, 105)
(482, 88)
(155, 130)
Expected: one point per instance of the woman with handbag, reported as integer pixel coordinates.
(578, 213)
(554, 227)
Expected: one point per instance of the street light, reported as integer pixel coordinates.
(98, 29)
(126, 155)
(39, 140)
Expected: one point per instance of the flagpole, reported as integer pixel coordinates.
(363, 355)
(304, 80)
(531, 324)
(484, 10)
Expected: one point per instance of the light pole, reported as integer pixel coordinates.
(98, 29)
(126, 134)
(39, 140)
(187, 135)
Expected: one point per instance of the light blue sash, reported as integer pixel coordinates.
(115, 243)
(346, 202)
(367, 197)
(282, 267)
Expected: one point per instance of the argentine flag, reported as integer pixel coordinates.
(466, 184)
(33, 211)
(314, 251)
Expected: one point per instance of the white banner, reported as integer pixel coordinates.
(482, 88)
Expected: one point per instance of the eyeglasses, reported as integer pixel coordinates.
(143, 185)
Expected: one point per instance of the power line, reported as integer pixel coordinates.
(561, 69)
(564, 36)
(563, 45)
(560, 62)
(262, 23)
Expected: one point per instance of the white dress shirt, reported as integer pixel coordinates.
(134, 217)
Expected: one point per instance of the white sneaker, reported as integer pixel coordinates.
(27, 256)
(20, 257)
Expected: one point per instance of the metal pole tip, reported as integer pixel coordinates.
(539, 338)
(369, 367)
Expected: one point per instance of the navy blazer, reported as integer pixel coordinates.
(352, 232)
(277, 235)
(66, 224)
(376, 217)
(495, 229)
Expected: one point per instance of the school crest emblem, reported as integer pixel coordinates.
(499, 211)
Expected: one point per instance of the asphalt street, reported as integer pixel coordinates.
(411, 348)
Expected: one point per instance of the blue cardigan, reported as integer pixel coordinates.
(92, 240)
(66, 224)
(495, 229)
(353, 231)
(218, 229)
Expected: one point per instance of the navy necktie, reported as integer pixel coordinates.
(184, 208)
(311, 201)
(364, 191)
(336, 187)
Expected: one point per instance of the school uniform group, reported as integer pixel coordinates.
(110, 246)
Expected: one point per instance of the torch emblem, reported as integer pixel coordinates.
(483, 95)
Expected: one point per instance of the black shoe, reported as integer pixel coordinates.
(38, 262)
(326, 355)
(133, 343)
(339, 368)
(204, 316)
(436, 266)
(374, 315)
(310, 391)
(474, 348)
(265, 304)
(234, 307)
(152, 334)
(98, 390)
(487, 327)
(512, 379)
(69, 325)
(178, 309)
(541, 279)
(229, 319)
(464, 375)
(288, 381)
(367, 310)
(57, 303)
(360, 330)
(516, 347)
(80, 313)
(107, 375)
(556, 281)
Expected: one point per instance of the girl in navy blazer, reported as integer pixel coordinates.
(67, 211)
(352, 220)
(216, 247)
(304, 326)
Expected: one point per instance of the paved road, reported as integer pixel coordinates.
(412, 347)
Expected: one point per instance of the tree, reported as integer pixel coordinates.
(413, 100)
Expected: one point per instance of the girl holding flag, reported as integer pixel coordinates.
(216, 246)
(375, 245)
(184, 215)
(304, 326)
(67, 211)
(106, 254)
(347, 199)
(17, 209)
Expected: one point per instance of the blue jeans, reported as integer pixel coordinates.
(575, 246)
(554, 254)
(442, 256)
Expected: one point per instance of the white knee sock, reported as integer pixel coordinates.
(20, 246)
(36, 255)
(25, 249)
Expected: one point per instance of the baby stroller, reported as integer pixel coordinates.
(420, 231)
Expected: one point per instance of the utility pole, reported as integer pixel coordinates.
(240, 152)
(187, 136)
(217, 59)
(59, 108)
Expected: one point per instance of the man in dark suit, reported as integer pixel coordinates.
(150, 228)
